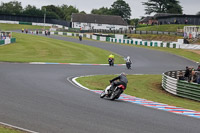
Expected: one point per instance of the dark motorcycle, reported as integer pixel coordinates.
(111, 62)
(128, 65)
(112, 94)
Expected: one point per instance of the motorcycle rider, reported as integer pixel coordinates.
(80, 37)
(128, 61)
(119, 80)
(111, 57)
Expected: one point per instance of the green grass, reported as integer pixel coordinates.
(150, 37)
(8, 130)
(142, 86)
(30, 48)
(7, 27)
(169, 27)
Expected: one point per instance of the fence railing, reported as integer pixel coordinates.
(135, 32)
(181, 88)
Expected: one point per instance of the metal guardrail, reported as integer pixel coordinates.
(181, 88)
(134, 32)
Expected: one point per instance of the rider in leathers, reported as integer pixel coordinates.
(122, 81)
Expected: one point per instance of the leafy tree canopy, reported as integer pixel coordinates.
(13, 7)
(102, 11)
(68, 10)
(121, 8)
(163, 6)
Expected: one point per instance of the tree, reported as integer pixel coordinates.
(121, 8)
(198, 13)
(163, 6)
(82, 12)
(133, 22)
(68, 10)
(102, 11)
(13, 7)
(54, 11)
(32, 11)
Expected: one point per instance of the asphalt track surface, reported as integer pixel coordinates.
(40, 98)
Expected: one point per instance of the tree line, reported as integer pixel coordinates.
(119, 8)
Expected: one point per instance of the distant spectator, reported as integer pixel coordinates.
(198, 77)
(37, 32)
(198, 68)
(187, 73)
(9, 35)
(192, 77)
(186, 21)
(22, 30)
(181, 77)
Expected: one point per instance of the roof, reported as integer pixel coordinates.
(168, 15)
(146, 19)
(100, 19)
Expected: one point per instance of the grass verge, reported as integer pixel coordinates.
(150, 37)
(5, 129)
(29, 48)
(169, 27)
(142, 86)
(6, 27)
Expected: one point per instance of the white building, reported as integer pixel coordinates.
(94, 21)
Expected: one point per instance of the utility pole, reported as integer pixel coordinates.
(44, 17)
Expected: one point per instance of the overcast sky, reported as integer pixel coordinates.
(190, 7)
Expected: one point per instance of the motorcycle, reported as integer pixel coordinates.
(80, 38)
(128, 65)
(112, 94)
(111, 62)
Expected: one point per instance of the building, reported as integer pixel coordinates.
(177, 19)
(94, 21)
(150, 20)
(166, 18)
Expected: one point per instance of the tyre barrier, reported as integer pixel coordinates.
(7, 41)
(132, 41)
(171, 84)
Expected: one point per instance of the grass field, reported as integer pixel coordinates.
(169, 28)
(7, 27)
(142, 86)
(29, 48)
(150, 37)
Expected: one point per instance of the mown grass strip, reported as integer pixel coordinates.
(4, 129)
(6, 27)
(142, 86)
(32, 48)
(168, 27)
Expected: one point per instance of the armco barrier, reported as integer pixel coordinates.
(181, 88)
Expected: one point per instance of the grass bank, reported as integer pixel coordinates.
(7, 27)
(168, 27)
(150, 37)
(30, 48)
(142, 86)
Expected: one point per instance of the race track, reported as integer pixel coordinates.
(40, 98)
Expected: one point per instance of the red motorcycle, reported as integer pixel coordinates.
(112, 94)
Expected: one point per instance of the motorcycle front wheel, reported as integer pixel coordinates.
(103, 94)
